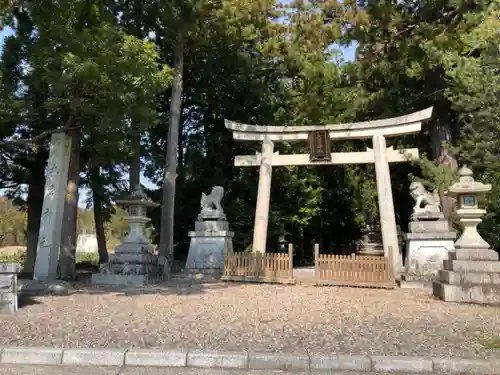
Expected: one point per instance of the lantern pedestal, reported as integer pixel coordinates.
(371, 242)
(472, 272)
(133, 263)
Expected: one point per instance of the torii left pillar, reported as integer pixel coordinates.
(263, 198)
(386, 203)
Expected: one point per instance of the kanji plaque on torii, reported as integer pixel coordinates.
(319, 146)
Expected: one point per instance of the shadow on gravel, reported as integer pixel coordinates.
(165, 288)
(24, 301)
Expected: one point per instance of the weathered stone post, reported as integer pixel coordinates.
(472, 273)
(51, 223)
(49, 239)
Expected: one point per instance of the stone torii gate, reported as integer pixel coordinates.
(319, 137)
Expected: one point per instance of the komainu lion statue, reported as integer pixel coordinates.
(421, 196)
(211, 204)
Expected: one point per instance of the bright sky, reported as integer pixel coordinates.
(347, 53)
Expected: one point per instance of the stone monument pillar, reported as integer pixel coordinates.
(472, 273)
(428, 241)
(49, 240)
(210, 239)
(133, 263)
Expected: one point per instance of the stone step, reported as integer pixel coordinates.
(457, 278)
(195, 277)
(415, 284)
(472, 265)
(123, 280)
(473, 254)
(483, 293)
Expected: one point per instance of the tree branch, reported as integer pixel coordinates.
(42, 135)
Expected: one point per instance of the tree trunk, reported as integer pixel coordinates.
(98, 217)
(36, 187)
(440, 138)
(135, 162)
(67, 255)
(167, 210)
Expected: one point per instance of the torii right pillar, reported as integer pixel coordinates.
(386, 204)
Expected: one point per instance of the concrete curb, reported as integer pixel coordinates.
(247, 360)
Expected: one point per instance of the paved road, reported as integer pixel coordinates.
(97, 370)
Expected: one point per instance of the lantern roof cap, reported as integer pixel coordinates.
(137, 197)
(467, 185)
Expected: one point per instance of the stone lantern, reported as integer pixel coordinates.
(137, 204)
(133, 263)
(466, 192)
(472, 273)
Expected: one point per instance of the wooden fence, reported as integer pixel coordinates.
(353, 270)
(259, 267)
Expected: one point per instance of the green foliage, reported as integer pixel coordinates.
(12, 224)
(258, 62)
(19, 257)
(87, 258)
(435, 175)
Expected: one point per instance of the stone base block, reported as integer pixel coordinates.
(123, 280)
(145, 258)
(371, 252)
(473, 254)
(206, 250)
(427, 216)
(459, 278)
(472, 266)
(424, 258)
(200, 275)
(484, 294)
(415, 284)
(134, 248)
(439, 226)
(431, 236)
(8, 303)
(132, 268)
(211, 226)
(38, 287)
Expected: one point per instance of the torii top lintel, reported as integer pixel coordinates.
(407, 124)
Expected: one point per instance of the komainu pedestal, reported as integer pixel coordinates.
(210, 239)
(472, 272)
(428, 241)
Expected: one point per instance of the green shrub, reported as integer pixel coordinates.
(19, 257)
(88, 258)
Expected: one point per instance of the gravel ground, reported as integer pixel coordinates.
(270, 318)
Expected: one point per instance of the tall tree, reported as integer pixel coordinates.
(78, 69)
